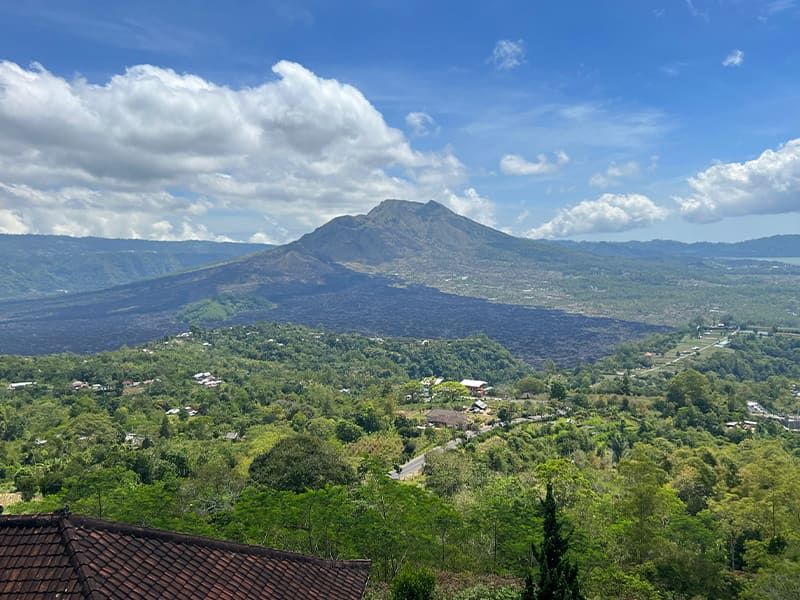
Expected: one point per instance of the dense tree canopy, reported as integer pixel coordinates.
(666, 492)
(299, 463)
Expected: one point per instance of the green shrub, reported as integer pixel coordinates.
(482, 592)
(414, 584)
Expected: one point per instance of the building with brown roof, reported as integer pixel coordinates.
(447, 418)
(70, 558)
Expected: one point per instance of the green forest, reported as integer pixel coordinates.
(647, 487)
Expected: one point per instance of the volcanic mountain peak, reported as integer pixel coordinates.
(396, 228)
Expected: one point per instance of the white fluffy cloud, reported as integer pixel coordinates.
(769, 184)
(508, 54)
(420, 123)
(734, 59)
(614, 174)
(11, 222)
(472, 205)
(608, 213)
(159, 154)
(514, 164)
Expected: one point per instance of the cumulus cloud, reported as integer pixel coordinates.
(420, 123)
(261, 238)
(769, 184)
(734, 59)
(11, 222)
(614, 174)
(608, 213)
(472, 205)
(156, 153)
(79, 211)
(508, 54)
(514, 164)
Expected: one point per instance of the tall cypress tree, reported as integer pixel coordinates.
(558, 577)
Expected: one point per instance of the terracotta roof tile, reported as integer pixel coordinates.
(70, 558)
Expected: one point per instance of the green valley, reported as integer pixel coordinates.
(664, 488)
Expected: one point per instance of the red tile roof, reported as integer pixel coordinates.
(67, 557)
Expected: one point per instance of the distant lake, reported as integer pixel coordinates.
(789, 260)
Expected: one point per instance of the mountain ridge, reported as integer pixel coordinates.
(417, 270)
(784, 245)
(656, 282)
(395, 228)
(308, 282)
(34, 266)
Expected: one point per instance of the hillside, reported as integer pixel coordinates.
(668, 486)
(397, 230)
(419, 270)
(44, 265)
(287, 285)
(665, 283)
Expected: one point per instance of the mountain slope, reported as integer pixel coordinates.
(411, 269)
(656, 282)
(43, 265)
(292, 284)
(398, 229)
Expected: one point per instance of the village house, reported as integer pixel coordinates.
(428, 383)
(75, 558)
(206, 379)
(479, 406)
(176, 411)
(476, 387)
(791, 423)
(210, 382)
(746, 425)
(134, 440)
(453, 419)
(21, 385)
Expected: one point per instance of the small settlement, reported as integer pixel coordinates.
(207, 379)
(453, 418)
(788, 422)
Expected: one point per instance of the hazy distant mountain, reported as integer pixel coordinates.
(770, 247)
(44, 265)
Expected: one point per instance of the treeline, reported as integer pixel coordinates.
(757, 358)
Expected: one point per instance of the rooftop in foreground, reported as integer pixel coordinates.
(70, 558)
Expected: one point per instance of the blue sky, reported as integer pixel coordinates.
(261, 120)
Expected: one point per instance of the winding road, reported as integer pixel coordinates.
(414, 466)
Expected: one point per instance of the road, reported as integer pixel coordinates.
(414, 466)
(680, 358)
